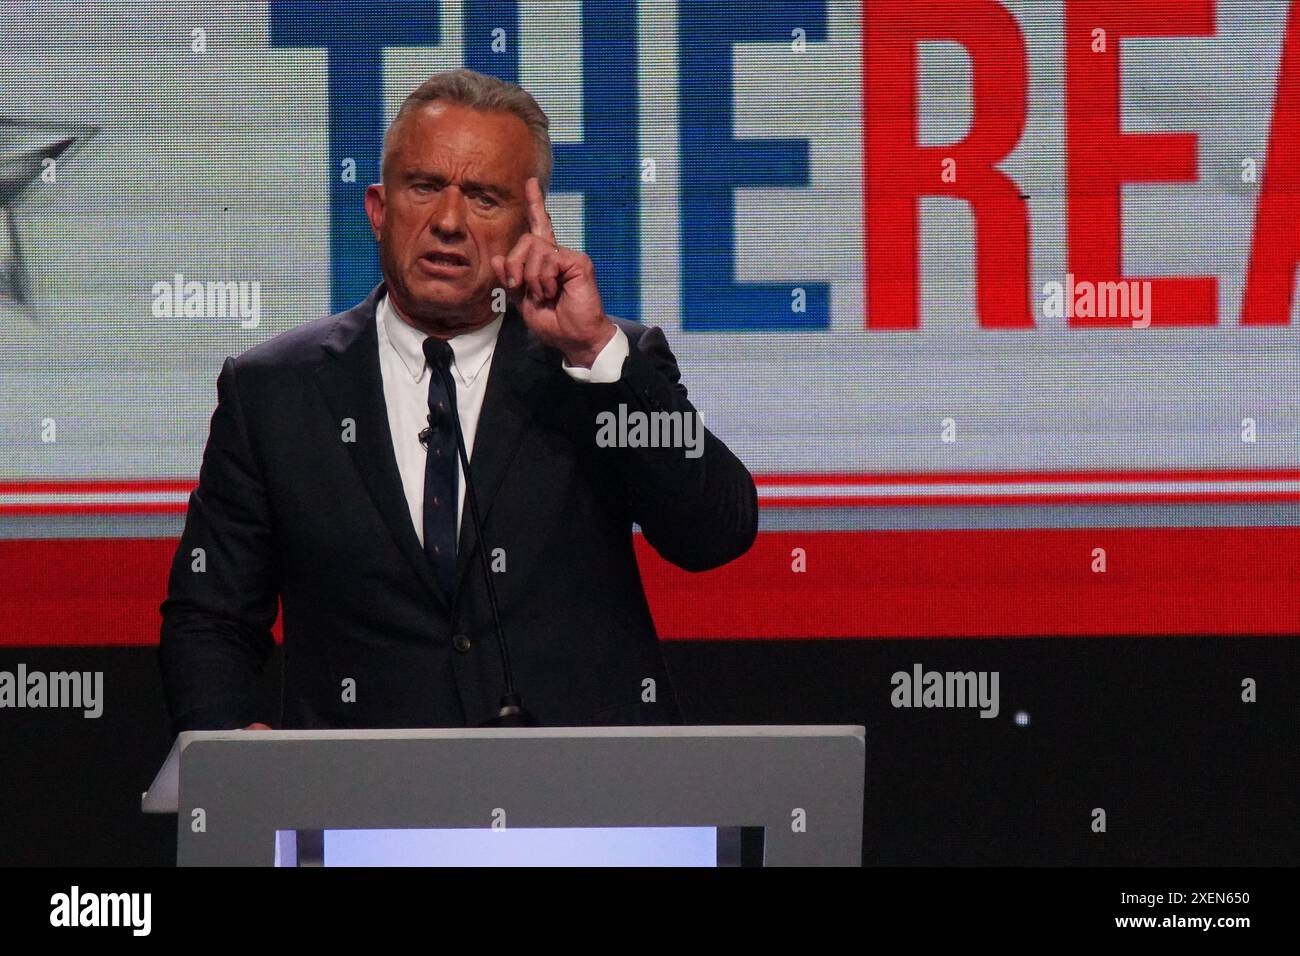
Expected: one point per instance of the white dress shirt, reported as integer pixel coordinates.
(406, 392)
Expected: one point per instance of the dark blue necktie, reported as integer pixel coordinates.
(440, 464)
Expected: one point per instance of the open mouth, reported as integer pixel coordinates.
(444, 260)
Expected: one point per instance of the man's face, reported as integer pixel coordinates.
(453, 199)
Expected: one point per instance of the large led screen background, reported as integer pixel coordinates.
(847, 217)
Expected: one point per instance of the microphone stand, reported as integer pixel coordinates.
(510, 711)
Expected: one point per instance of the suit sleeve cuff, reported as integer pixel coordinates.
(608, 366)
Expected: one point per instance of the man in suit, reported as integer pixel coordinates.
(330, 480)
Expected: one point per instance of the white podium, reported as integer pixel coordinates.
(761, 795)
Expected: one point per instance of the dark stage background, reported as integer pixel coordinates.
(1152, 730)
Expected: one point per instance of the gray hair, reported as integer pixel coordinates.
(481, 92)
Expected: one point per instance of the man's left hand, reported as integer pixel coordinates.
(555, 287)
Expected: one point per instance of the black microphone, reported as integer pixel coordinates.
(511, 711)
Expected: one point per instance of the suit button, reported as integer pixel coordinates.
(461, 643)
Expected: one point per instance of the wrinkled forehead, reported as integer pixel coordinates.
(456, 143)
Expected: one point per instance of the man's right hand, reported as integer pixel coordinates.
(257, 726)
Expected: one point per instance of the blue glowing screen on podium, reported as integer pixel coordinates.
(554, 846)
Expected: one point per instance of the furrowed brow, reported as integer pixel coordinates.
(474, 185)
(469, 185)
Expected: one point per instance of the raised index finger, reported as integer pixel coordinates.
(539, 220)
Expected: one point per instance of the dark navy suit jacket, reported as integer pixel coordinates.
(286, 510)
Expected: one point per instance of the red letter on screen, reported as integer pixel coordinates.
(899, 171)
(1100, 158)
(1270, 280)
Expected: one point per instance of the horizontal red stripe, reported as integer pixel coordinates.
(990, 583)
(831, 501)
(858, 584)
(771, 481)
(1020, 477)
(1098, 498)
(110, 508)
(98, 486)
(185, 485)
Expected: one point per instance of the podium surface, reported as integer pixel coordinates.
(234, 791)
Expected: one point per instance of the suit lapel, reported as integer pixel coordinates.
(354, 388)
(521, 367)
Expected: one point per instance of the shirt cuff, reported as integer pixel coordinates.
(608, 366)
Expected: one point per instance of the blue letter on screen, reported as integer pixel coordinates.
(355, 35)
(714, 163)
(604, 167)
